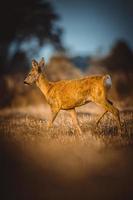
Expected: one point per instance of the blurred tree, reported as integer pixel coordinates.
(120, 58)
(25, 19)
(119, 64)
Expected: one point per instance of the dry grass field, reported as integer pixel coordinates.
(64, 54)
(38, 163)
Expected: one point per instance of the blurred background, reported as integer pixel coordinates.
(76, 38)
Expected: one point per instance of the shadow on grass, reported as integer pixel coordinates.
(22, 178)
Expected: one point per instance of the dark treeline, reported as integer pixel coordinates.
(21, 21)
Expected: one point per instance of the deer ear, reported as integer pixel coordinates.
(42, 63)
(34, 63)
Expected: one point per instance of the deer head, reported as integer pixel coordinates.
(35, 71)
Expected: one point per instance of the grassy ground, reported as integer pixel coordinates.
(41, 163)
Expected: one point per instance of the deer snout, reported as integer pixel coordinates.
(25, 82)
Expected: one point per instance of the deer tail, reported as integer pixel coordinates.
(107, 81)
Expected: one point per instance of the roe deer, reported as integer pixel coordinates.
(69, 94)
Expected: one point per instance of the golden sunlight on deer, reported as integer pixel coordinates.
(69, 94)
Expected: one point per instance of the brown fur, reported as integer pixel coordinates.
(69, 94)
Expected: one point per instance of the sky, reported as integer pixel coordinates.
(92, 25)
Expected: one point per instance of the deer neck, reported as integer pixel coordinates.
(43, 84)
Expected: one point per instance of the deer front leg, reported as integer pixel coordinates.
(54, 114)
(75, 120)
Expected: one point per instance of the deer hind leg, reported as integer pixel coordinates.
(75, 120)
(109, 107)
(101, 117)
(55, 111)
(110, 102)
